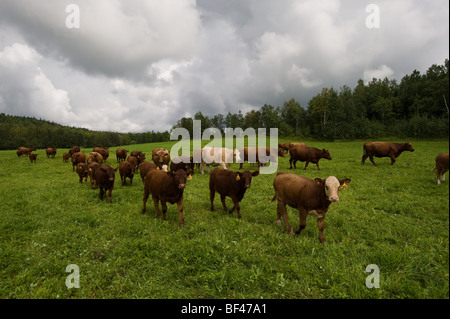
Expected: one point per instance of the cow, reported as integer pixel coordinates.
(126, 170)
(133, 160)
(104, 152)
(65, 157)
(296, 145)
(144, 168)
(33, 157)
(73, 150)
(182, 162)
(121, 154)
(104, 176)
(165, 187)
(441, 167)
(50, 151)
(308, 155)
(91, 168)
(160, 157)
(384, 149)
(259, 155)
(139, 156)
(78, 157)
(95, 157)
(310, 197)
(284, 147)
(231, 184)
(25, 151)
(216, 156)
(83, 171)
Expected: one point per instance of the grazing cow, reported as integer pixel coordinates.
(126, 169)
(307, 154)
(259, 155)
(121, 154)
(91, 168)
(216, 156)
(33, 157)
(73, 150)
(144, 168)
(65, 157)
(50, 151)
(104, 176)
(284, 147)
(104, 152)
(95, 157)
(25, 151)
(83, 171)
(182, 162)
(78, 157)
(441, 167)
(160, 157)
(384, 149)
(310, 197)
(231, 184)
(165, 187)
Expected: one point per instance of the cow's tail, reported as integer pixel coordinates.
(273, 198)
(364, 149)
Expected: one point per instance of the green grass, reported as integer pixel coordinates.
(393, 216)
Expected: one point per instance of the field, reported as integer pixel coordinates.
(395, 217)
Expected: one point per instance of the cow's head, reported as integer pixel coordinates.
(281, 152)
(408, 147)
(246, 177)
(180, 177)
(331, 186)
(326, 154)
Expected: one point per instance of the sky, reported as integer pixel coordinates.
(141, 65)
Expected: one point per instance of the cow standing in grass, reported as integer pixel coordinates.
(104, 176)
(441, 167)
(384, 149)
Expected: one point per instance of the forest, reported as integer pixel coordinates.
(417, 107)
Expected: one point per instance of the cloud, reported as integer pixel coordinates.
(383, 71)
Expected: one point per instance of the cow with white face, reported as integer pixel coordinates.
(216, 156)
(310, 197)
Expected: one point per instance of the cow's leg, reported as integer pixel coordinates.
(180, 211)
(155, 203)
(222, 199)
(131, 181)
(164, 209)
(212, 193)
(295, 164)
(290, 163)
(364, 157)
(109, 194)
(145, 202)
(101, 193)
(320, 225)
(236, 206)
(240, 165)
(281, 210)
(317, 164)
(306, 165)
(371, 159)
(302, 225)
(392, 159)
(202, 168)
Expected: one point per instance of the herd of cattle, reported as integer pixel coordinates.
(165, 179)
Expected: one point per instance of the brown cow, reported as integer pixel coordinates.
(51, 151)
(126, 170)
(92, 167)
(95, 157)
(25, 151)
(384, 149)
(104, 152)
(121, 154)
(182, 162)
(104, 176)
(83, 171)
(73, 150)
(133, 160)
(165, 187)
(310, 197)
(296, 144)
(160, 157)
(65, 157)
(144, 168)
(33, 157)
(139, 155)
(78, 157)
(307, 154)
(441, 167)
(259, 155)
(284, 146)
(231, 184)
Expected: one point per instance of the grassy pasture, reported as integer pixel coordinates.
(393, 216)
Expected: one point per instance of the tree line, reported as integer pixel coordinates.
(18, 131)
(414, 108)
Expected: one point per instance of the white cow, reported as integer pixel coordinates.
(216, 156)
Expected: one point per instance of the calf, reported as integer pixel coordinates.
(33, 157)
(25, 151)
(78, 157)
(310, 197)
(307, 154)
(83, 171)
(104, 152)
(165, 187)
(384, 149)
(92, 167)
(51, 151)
(104, 176)
(95, 157)
(121, 154)
(231, 184)
(133, 160)
(144, 168)
(441, 167)
(160, 157)
(65, 157)
(126, 169)
(74, 150)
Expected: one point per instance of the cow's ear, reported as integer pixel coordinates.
(171, 174)
(255, 173)
(238, 176)
(345, 181)
(319, 181)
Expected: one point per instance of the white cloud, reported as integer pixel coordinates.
(383, 71)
